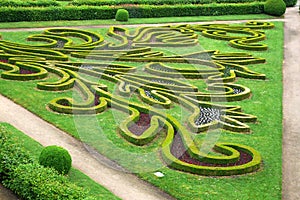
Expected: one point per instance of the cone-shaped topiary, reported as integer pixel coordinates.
(122, 15)
(57, 158)
(275, 7)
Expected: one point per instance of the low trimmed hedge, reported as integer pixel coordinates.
(28, 3)
(33, 181)
(32, 51)
(91, 39)
(13, 72)
(172, 126)
(138, 2)
(15, 14)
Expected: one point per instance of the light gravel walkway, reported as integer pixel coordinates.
(291, 107)
(128, 186)
(6, 194)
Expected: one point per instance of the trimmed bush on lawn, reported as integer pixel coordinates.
(122, 15)
(275, 7)
(290, 3)
(57, 158)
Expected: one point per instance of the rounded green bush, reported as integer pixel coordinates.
(57, 158)
(275, 7)
(122, 15)
(290, 3)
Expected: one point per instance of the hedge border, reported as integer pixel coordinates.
(15, 14)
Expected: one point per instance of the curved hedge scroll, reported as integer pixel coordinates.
(165, 80)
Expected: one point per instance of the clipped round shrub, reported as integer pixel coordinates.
(57, 158)
(275, 7)
(122, 15)
(290, 3)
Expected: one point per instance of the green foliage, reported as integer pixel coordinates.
(235, 1)
(28, 3)
(275, 7)
(122, 15)
(95, 191)
(33, 181)
(57, 158)
(28, 179)
(11, 154)
(139, 2)
(15, 14)
(263, 183)
(290, 3)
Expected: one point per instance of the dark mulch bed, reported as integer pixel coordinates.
(179, 151)
(25, 71)
(139, 127)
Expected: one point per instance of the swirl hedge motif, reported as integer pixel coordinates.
(161, 84)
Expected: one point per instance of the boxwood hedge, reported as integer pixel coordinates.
(14, 14)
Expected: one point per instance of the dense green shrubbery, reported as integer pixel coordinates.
(139, 2)
(122, 15)
(11, 154)
(33, 181)
(237, 1)
(56, 157)
(20, 173)
(28, 3)
(275, 7)
(11, 14)
(8, 14)
(290, 3)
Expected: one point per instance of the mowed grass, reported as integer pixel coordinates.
(74, 176)
(99, 131)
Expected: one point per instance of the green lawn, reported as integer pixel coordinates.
(265, 137)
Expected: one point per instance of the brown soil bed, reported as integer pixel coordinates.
(179, 151)
(25, 71)
(139, 127)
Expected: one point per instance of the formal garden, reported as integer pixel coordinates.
(193, 108)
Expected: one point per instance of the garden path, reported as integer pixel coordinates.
(291, 108)
(128, 186)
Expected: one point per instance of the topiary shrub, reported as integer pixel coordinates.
(122, 15)
(57, 158)
(290, 3)
(275, 7)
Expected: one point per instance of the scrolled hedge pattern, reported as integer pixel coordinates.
(163, 82)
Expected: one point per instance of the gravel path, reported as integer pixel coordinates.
(128, 186)
(291, 108)
(6, 194)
